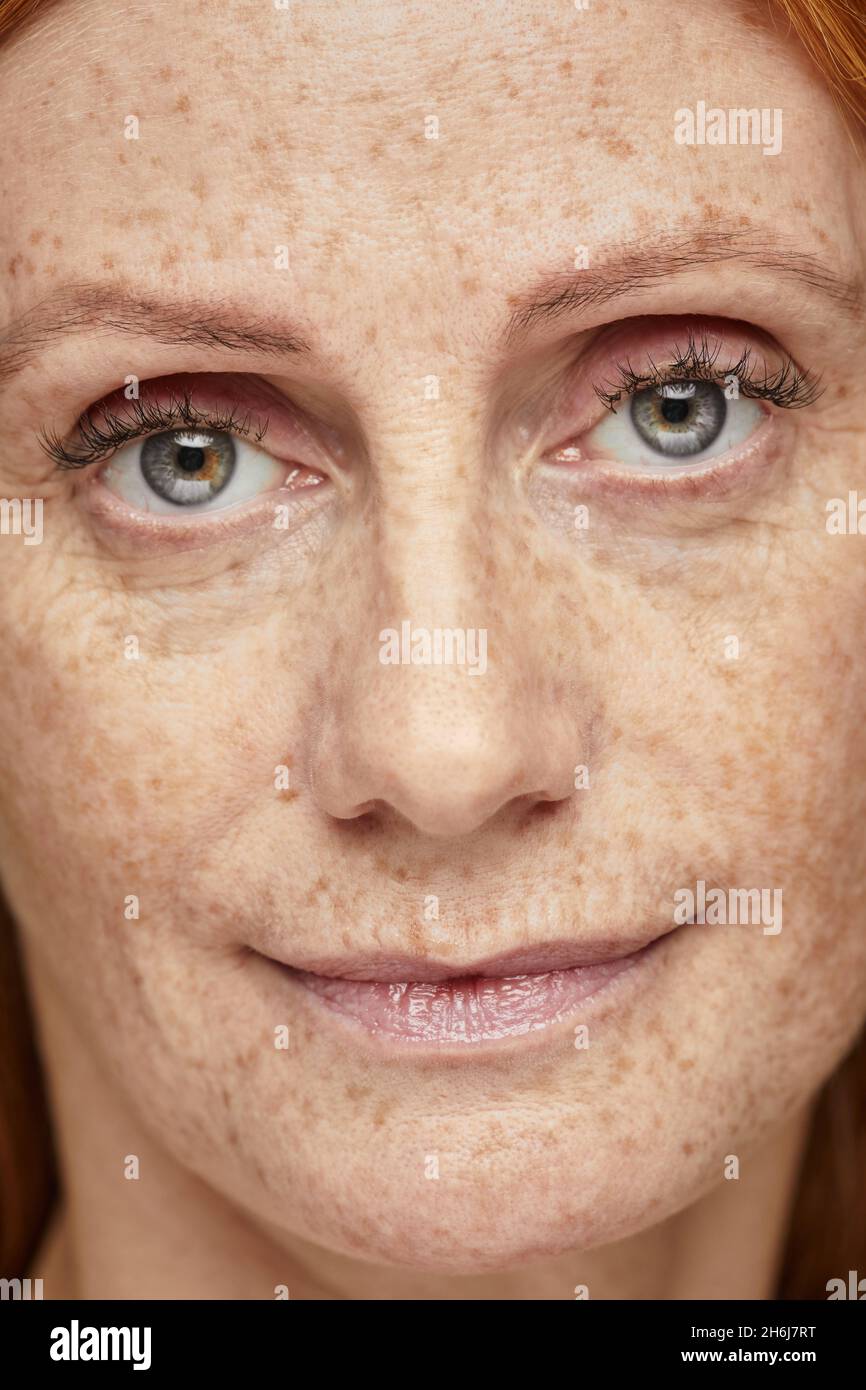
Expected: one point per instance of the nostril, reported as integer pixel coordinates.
(548, 807)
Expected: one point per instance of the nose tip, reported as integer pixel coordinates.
(451, 791)
(445, 773)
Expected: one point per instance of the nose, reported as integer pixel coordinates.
(437, 707)
(441, 748)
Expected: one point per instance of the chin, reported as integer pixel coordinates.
(500, 1212)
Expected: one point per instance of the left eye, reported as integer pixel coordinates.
(194, 469)
(681, 422)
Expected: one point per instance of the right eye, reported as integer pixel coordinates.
(683, 422)
(189, 469)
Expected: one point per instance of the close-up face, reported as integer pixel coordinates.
(432, 719)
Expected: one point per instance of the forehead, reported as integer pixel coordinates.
(401, 150)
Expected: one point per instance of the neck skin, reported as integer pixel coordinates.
(173, 1237)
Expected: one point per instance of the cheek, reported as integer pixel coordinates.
(124, 775)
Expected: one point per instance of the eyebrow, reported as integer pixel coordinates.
(638, 264)
(635, 266)
(103, 308)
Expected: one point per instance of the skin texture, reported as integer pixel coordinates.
(259, 648)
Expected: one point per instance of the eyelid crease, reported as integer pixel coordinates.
(790, 387)
(99, 431)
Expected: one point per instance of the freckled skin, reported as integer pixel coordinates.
(155, 778)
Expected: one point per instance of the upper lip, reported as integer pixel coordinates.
(401, 968)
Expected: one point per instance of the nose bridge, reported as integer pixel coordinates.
(430, 551)
(432, 542)
(431, 682)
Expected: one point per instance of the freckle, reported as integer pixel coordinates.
(126, 795)
(623, 149)
(35, 238)
(56, 242)
(199, 188)
(377, 149)
(371, 334)
(166, 74)
(121, 157)
(12, 266)
(842, 392)
(469, 285)
(155, 161)
(107, 263)
(182, 104)
(357, 1092)
(565, 67)
(688, 1148)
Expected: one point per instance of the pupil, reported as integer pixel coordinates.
(190, 459)
(674, 411)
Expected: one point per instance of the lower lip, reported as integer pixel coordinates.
(465, 1012)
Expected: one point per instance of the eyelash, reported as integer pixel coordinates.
(789, 387)
(100, 432)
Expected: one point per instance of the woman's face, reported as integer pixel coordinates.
(419, 252)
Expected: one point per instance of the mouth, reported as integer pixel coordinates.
(430, 1003)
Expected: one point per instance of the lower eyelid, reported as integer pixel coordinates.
(717, 475)
(140, 532)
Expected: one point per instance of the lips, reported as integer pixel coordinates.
(437, 1003)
